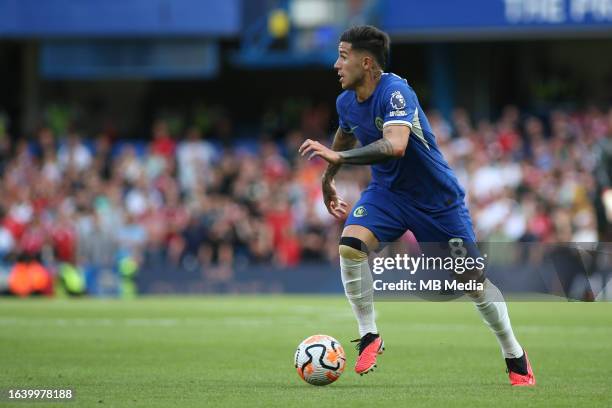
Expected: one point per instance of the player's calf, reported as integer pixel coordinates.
(357, 281)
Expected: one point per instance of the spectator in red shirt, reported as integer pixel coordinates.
(163, 144)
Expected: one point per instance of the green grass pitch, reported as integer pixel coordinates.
(238, 351)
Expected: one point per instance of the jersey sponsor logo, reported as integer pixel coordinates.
(379, 122)
(360, 211)
(397, 101)
(398, 113)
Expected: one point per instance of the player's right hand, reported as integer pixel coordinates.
(335, 205)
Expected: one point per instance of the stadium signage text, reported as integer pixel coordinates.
(504, 17)
(557, 11)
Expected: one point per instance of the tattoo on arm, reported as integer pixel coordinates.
(342, 141)
(376, 152)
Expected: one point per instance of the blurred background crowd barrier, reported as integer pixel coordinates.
(151, 146)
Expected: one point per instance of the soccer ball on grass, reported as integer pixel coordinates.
(320, 359)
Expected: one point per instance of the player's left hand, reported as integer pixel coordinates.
(316, 149)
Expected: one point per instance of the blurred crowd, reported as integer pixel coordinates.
(104, 203)
(529, 179)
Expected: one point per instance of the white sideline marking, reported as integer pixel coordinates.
(272, 321)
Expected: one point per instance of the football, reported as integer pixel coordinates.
(320, 359)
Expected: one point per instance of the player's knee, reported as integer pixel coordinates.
(353, 258)
(353, 249)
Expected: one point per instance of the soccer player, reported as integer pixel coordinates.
(412, 188)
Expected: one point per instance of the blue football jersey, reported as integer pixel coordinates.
(422, 175)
